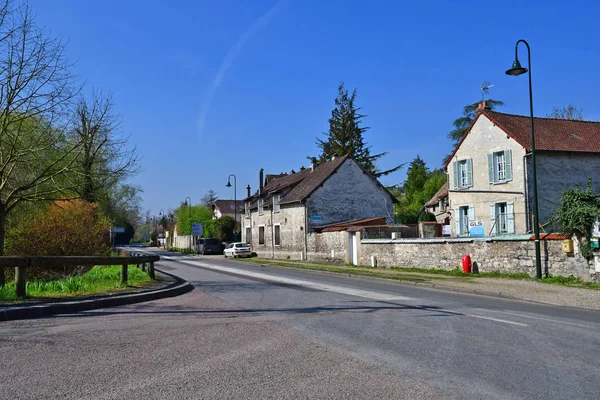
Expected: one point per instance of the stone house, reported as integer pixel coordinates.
(287, 208)
(489, 172)
(438, 205)
(227, 207)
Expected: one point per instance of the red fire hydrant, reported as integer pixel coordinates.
(466, 264)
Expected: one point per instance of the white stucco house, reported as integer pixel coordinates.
(221, 208)
(288, 207)
(489, 172)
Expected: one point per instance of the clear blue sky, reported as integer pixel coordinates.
(212, 88)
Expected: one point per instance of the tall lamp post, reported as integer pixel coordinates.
(517, 70)
(234, 201)
(161, 214)
(189, 206)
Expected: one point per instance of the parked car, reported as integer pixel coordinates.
(209, 246)
(237, 250)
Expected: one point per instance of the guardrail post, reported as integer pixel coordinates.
(20, 281)
(124, 273)
(2, 281)
(143, 266)
(151, 270)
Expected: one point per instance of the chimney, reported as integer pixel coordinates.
(248, 189)
(260, 181)
(482, 107)
(292, 172)
(313, 164)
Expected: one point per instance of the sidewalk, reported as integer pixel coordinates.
(519, 289)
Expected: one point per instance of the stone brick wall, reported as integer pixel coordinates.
(328, 247)
(504, 256)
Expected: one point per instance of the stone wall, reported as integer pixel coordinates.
(181, 241)
(501, 255)
(328, 247)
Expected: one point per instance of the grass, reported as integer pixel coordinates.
(96, 281)
(423, 274)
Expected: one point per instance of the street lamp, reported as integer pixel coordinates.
(234, 200)
(517, 70)
(189, 206)
(161, 214)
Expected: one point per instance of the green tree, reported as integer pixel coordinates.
(224, 227)
(576, 214)
(186, 215)
(345, 136)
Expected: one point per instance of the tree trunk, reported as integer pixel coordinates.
(2, 228)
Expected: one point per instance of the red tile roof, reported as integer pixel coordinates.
(228, 206)
(551, 134)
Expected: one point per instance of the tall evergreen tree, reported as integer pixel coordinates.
(345, 136)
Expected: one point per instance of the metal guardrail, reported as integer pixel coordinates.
(22, 263)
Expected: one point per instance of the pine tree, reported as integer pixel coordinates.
(345, 136)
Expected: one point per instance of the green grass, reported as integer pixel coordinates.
(97, 280)
(422, 274)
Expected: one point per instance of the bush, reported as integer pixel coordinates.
(65, 228)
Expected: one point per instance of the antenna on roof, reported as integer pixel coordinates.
(485, 88)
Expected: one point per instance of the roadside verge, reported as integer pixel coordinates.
(177, 288)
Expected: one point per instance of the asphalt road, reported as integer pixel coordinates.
(249, 331)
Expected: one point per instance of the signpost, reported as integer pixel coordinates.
(197, 229)
(316, 218)
(113, 230)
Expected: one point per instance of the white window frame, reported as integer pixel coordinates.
(275, 234)
(463, 173)
(260, 207)
(247, 209)
(276, 206)
(464, 220)
(499, 167)
(502, 218)
(263, 236)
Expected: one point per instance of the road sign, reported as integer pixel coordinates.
(315, 218)
(117, 229)
(197, 229)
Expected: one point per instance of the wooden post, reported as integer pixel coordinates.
(151, 270)
(124, 273)
(20, 281)
(144, 267)
(2, 281)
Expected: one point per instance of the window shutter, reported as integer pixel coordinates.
(510, 217)
(508, 164)
(469, 172)
(491, 167)
(455, 170)
(457, 221)
(493, 227)
(471, 213)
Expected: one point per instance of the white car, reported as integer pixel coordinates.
(237, 250)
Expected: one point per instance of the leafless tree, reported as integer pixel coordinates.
(105, 158)
(568, 112)
(37, 90)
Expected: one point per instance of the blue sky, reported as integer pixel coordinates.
(212, 88)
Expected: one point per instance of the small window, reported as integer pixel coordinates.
(261, 235)
(277, 235)
(276, 206)
(260, 206)
(500, 166)
(463, 173)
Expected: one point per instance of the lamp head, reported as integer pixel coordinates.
(228, 182)
(516, 69)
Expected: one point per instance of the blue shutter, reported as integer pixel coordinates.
(508, 164)
(491, 167)
(510, 217)
(469, 172)
(455, 170)
(493, 227)
(457, 222)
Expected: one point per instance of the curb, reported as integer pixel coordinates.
(68, 307)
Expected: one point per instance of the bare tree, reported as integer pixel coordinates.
(36, 93)
(105, 158)
(209, 198)
(568, 112)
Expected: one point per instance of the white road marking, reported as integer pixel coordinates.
(540, 318)
(297, 282)
(496, 319)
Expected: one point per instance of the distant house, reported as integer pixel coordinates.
(438, 205)
(288, 207)
(490, 170)
(227, 207)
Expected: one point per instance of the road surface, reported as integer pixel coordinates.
(251, 332)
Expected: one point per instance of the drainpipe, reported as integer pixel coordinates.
(526, 194)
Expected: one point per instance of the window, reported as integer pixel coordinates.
(463, 173)
(261, 235)
(462, 216)
(500, 166)
(276, 206)
(247, 209)
(260, 206)
(502, 219)
(249, 235)
(277, 235)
